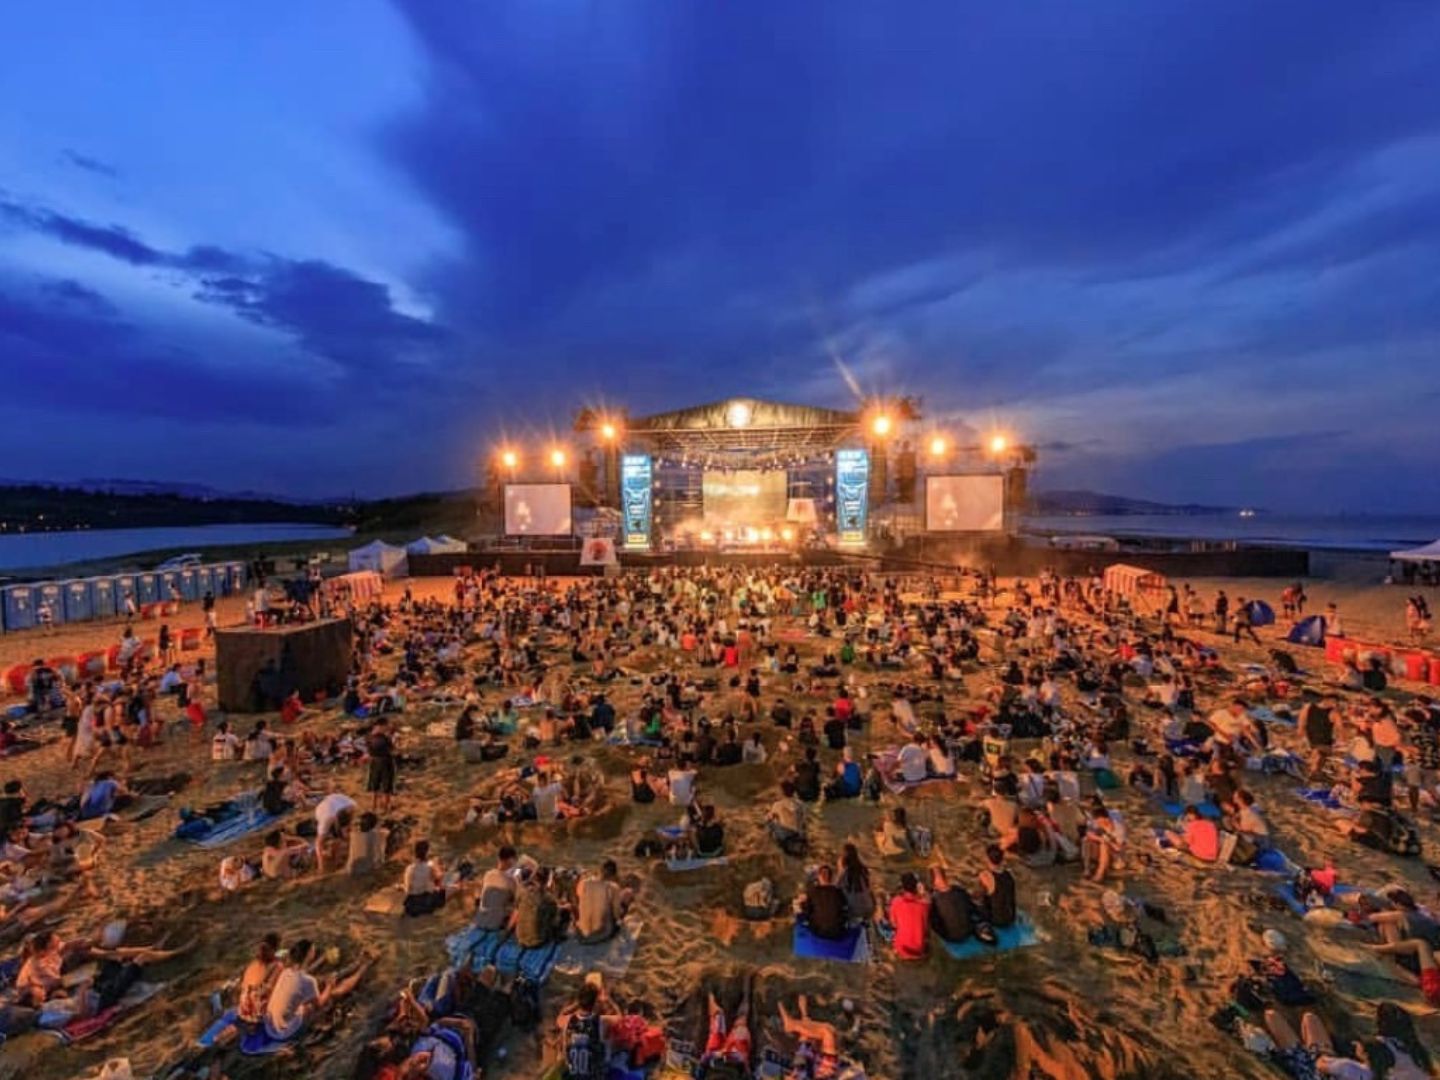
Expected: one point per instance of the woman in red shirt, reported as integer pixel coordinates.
(910, 916)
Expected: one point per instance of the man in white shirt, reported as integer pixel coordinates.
(498, 890)
(295, 997)
(911, 762)
(332, 814)
(546, 797)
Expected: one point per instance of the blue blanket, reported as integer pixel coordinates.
(258, 1043)
(474, 945)
(223, 1023)
(853, 948)
(233, 828)
(535, 964)
(1021, 935)
(1274, 861)
(1320, 796)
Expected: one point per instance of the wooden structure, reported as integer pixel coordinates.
(255, 669)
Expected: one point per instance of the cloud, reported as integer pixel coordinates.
(112, 240)
(89, 164)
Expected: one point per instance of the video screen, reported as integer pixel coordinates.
(744, 497)
(537, 509)
(965, 503)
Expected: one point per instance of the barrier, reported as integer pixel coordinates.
(1417, 666)
(67, 667)
(1435, 671)
(92, 664)
(17, 679)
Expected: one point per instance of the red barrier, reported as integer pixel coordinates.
(1435, 671)
(1417, 666)
(17, 679)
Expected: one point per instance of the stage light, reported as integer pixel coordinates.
(999, 443)
(607, 431)
(706, 536)
(738, 414)
(938, 446)
(509, 459)
(787, 534)
(880, 425)
(557, 458)
(767, 534)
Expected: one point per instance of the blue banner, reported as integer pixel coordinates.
(636, 482)
(852, 495)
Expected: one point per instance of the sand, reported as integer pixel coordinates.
(1064, 1009)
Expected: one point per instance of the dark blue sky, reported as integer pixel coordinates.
(1191, 249)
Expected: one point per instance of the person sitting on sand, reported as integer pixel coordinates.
(823, 906)
(280, 861)
(848, 778)
(910, 919)
(1100, 848)
(818, 1053)
(495, 905)
(256, 983)
(600, 905)
(102, 796)
(893, 837)
(681, 782)
(1312, 1052)
(585, 1029)
(786, 817)
(854, 881)
(424, 882)
(996, 897)
(726, 1044)
(297, 996)
(952, 912)
(1198, 836)
(539, 918)
(707, 832)
(366, 846)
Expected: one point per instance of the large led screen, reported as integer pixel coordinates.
(537, 509)
(973, 503)
(744, 497)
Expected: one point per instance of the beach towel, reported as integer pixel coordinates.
(619, 738)
(898, 786)
(535, 964)
(681, 866)
(475, 945)
(1287, 893)
(1020, 935)
(611, 958)
(258, 1043)
(1320, 796)
(853, 948)
(1274, 861)
(221, 1024)
(79, 1029)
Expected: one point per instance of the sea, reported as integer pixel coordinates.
(19, 551)
(1339, 533)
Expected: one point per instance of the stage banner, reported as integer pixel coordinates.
(598, 551)
(636, 481)
(852, 494)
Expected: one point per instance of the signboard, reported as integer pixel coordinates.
(852, 494)
(636, 481)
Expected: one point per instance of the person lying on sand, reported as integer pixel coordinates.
(818, 1053)
(726, 1044)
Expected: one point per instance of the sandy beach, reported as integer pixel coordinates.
(1065, 1008)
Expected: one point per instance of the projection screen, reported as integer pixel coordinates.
(744, 497)
(973, 503)
(537, 509)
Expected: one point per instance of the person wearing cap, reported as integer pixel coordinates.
(910, 918)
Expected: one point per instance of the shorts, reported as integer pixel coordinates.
(735, 1044)
(1430, 984)
(381, 779)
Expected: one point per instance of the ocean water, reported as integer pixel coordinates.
(1344, 532)
(21, 550)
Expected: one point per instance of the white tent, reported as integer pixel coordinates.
(1429, 553)
(450, 544)
(383, 558)
(435, 545)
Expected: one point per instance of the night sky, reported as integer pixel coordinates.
(1190, 250)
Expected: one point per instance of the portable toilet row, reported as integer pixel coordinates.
(83, 599)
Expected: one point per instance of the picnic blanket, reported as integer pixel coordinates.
(1182, 748)
(853, 948)
(83, 1028)
(1286, 892)
(885, 759)
(232, 829)
(221, 1024)
(474, 945)
(1321, 796)
(611, 958)
(1269, 716)
(1020, 935)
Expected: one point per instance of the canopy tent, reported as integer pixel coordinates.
(382, 558)
(360, 585)
(440, 545)
(1125, 580)
(450, 544)
(1429, 553)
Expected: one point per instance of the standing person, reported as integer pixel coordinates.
(333, 815)
(1317, 723)
(1222, 612)
(380, 781)
(1243, 622)
(207, 605)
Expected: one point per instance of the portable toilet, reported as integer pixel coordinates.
(168, 585)
(51, 596)
(236, 571)
(19, 607)
(205, 582)
(125, 587)
(102, 598)
(79, 606)
(147, 589)
(188, 588)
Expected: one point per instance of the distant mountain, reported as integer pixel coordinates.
(122, 486)
(1092, 503)
(52, 508)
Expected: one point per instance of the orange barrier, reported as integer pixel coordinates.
(1417, 666)
(112, 658)
(1435, 671)
(190, 639)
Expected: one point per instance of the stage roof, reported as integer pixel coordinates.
(745, 427)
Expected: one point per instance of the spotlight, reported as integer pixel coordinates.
(938, 446)
(880, 425)
(787, 534)
(509, 459)
(999, 444)
(557, 458)
(607, 431)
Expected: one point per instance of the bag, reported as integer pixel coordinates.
(758, 899)
(524, 1003)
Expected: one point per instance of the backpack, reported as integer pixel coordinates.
(524, 1003)
(758, 899)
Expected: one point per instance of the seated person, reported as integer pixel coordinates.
(848, 778)
(280, 861)
(539, 918)
(424, 882)
(910, 918)
(707, 834)
(952, 913)
(893, 837)
(367, 846)
(585, 1033)
(297, 995)
(786, 816)
(805, 775)
(824, 907)
(1198, 836)
(600, 904)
